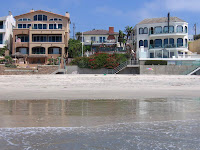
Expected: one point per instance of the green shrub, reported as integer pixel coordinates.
(10, 66)
(156, 62)
(100, 60)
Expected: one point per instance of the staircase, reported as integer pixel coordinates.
(62, 69)
(117, 69)
(193, 72)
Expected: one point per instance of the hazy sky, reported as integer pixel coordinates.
(100, 14)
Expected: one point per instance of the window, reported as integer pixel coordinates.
(19, 26)
(35, 26)
(50, 26)
(186, 29)
(102, 39)
(158, 43)
(1, 38)
(38, 50)
(47, 38)
(145, 43)
(40, 18)
(171, 29)
(165, 42)
(186, 43)
(158, 30)
(24, 25)
(145, 30)
(24, 38)
(141, 43)
(39, 26)
(1, 24)
(29, 25)
(24, 19)
(44, 26)
(54, 50)
(141, 31)
(55, 19)
(179, 42)
(59, 26)
(179, 29)
(93, 38)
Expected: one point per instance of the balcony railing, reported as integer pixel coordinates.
(170, 32)
(179, 45)
(100, 42)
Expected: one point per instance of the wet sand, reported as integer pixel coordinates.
(69, 87)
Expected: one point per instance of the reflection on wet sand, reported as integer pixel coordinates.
(87, 113)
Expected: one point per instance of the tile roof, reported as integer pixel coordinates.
(160, 20)
(99, 32)
(41, 11)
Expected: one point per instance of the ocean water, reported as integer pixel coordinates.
(162, 123)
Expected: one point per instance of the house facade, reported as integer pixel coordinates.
(161, 38)
(40, 35)
(101, 37)
(6, 31)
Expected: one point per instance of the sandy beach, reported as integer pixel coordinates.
(72, 87)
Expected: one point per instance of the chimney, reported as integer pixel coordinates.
(10, 13)
(32, 10)
(111, 30)
(67, 14)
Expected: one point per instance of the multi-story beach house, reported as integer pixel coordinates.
(99, 37)
(40, 35)
(6, 31)
(161, 38)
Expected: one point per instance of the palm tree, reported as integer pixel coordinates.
(128, 31)
(121, 37)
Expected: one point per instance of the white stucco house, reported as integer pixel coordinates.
(7, 24)
(162, 39)
(99, 37)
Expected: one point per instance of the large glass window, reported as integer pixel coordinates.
(39, 26)
(171, 29)
(50, 26)
(59, 26)
(47, 38)
(102, 39)
(19, 26)
(40, 18)
(1, 24)
(1, 38)
(29, 25)
(24, 38)
(44, 26)
(141, 30)
(24, 19)
(145, 43)
(141, 43)
(158, 30)
(179, 42)
(38, 50)
(179, 29)
(158, 43)
(93, 38)
(54, 50)
(145, 30)
(35, 26)
(186, 30)
(165, 42)
(186, 42)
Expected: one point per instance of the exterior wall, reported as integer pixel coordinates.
(163, 70)
(64, 32)
(195, 46)
(162, 36)
(7, 31)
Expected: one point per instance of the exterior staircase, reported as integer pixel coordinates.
(62, 69)
(193, 72)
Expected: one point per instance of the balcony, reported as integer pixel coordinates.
(98, 42)
(159, 46)
(171, 33)
(2, 28)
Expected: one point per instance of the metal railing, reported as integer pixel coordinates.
(178, 45)
(163, 32)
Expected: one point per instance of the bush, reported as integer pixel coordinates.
(100, 60)
(156, 62)
(10, 66)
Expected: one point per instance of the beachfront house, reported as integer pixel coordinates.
(40, 35)
(101, 40)
(162, 39)
(6, 31)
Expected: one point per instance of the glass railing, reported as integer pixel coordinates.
(154, 46)
(163, 32)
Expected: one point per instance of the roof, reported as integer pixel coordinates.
(99, 32)
(161, 20)
(3, 18)
(41, 11)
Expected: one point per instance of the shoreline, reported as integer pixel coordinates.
(82, 87)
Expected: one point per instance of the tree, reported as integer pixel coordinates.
(75, 48)
(121, 37)
(2, 51)
(128, 31)
(78, 36)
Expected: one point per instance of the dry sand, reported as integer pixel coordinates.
(70, 87)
